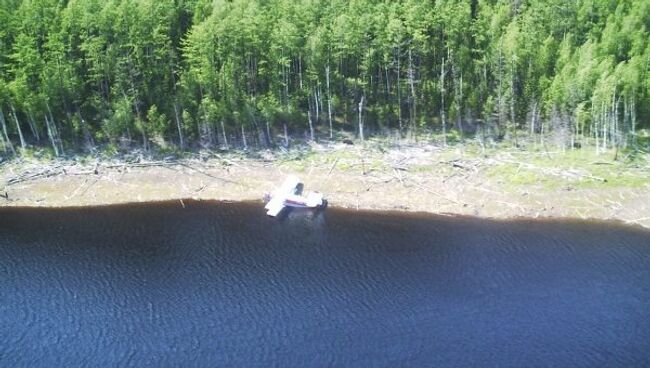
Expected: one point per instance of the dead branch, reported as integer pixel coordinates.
(332, 167)
(205, 173)
(399, 177)
(27, 176)
(426, 189)
(140, 164)
(555, 172)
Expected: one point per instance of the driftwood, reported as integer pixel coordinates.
(33, 175)
(205, 173)
(336, 161)
(430, 191)
(396, 175)
(399, 177)
(50, 171)
(74, 194)
(140, 164)
(60, 169)
(556, 172)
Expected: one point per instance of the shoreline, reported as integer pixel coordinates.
(183, 203)
(416, 178)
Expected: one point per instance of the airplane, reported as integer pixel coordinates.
(287, 196)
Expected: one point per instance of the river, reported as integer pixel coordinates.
(220, 284)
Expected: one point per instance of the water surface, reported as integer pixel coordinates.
(213, 284)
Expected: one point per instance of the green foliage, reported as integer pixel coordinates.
(157, 122)
(164, 69)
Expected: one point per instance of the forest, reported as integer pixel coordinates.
(78, 75)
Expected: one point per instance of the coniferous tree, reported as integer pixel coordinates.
(77, 73)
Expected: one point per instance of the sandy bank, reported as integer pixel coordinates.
(414, 178)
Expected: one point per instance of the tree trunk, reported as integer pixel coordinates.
(285, 78)
(387, 96)
(32, 126)
(223, 133)
(513, 101)
(633, 121)
(329, 100)
(207, 132)
(316, 106)
(269, 137)
(145, 145)
(532, 119)
(606, 122)
(55, 130)
(616, 140)
(243, 137)
(399, 94)
(320, 98)
(84, 129)
(361, 136)
(500, 86)
(4, 131)
(300, 70)
(411, 75)
(458, 99)
(541, 132)
(253, 119)
(595, 127)
(286, 136)
(20, 132)
(3, 144)
(51, 136)
(311, 124)
(623, 125)
(443, 115)
(177, 115)
(179, 126)
(576, 131)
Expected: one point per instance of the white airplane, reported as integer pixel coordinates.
(286, 196)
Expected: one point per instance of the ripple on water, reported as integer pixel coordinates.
(223, 285)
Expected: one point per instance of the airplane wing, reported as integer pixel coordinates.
(276, 204)
(289, 185)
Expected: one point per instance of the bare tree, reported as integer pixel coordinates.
(20, 132)
(443, 115)
(179, 126)
(32, 126)
(54, 129)
(329, 99)
(411, 77)
(311, 123)
(7, 141)
(361, 136)
(50, 134)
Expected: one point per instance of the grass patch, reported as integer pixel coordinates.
(511, 174)
(583, 168)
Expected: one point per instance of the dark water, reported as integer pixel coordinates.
(223, 285)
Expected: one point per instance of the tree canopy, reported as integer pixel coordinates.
(77, 73)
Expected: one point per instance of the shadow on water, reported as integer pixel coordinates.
(222, 284)
(310, 213)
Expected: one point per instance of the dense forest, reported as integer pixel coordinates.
(79, 74)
